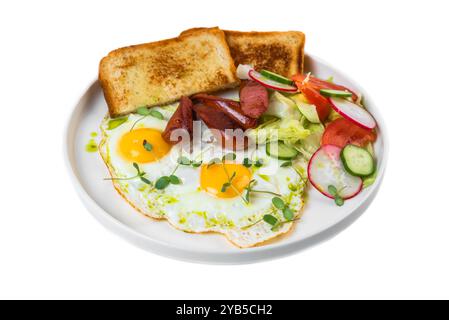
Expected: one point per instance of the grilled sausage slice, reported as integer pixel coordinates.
(230, 107)
(215, 118)
(181, 119)
(253, 99)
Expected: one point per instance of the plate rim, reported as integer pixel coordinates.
(240, 256)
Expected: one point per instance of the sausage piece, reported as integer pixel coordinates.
(230, 107)
(215, 118)
(253, 99)
(181, 119)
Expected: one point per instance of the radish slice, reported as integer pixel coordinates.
(243, 71)
(353, 112)
(326, 169)
(256, 76)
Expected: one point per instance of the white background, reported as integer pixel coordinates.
(50, 246)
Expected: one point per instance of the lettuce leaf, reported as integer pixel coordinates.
(309, 145)
(307, 110)
(282, 107)
(288, 130)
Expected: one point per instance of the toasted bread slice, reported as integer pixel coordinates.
(279, 52)
(162, 72)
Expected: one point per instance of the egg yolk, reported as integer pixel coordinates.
(213, 178)
(131, 145)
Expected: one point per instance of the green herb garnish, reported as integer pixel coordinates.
(249, 163)
(274, 222)
(196, 164)
(174, 179)
(339, 201)
(156, 114)
(145, 180)
(278, 203)
(162, 183)
(259, 163)
(229, 157)
(114, 123)
(288, 213)
(140, 175)
(250, 189)
(145, 112)
(147, 145)
(271, 220)
(184, 161)
(165, 181)
(213, 162)
(332, 190)
(228, 184)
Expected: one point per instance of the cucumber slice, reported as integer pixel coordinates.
(335, 93)
(279, 150)
(276, 77)
(357, 161)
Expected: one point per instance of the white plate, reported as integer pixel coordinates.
(322, 219)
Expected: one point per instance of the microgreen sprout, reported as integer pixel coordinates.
(145, 112)
(184, 161)
(140, 174)
(174, 179)
(250, 189)
(339, 201)
(147, 146)
(226, 185)
(249, 163)
(270, 219)
(274, 222)
(229, 184)
(164, 181)
(229, 157)
(287, 213)
(213, 162)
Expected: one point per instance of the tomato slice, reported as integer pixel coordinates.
(319, 84)
(341, 132)
(322, 104)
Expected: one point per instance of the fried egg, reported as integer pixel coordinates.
(211, 196)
